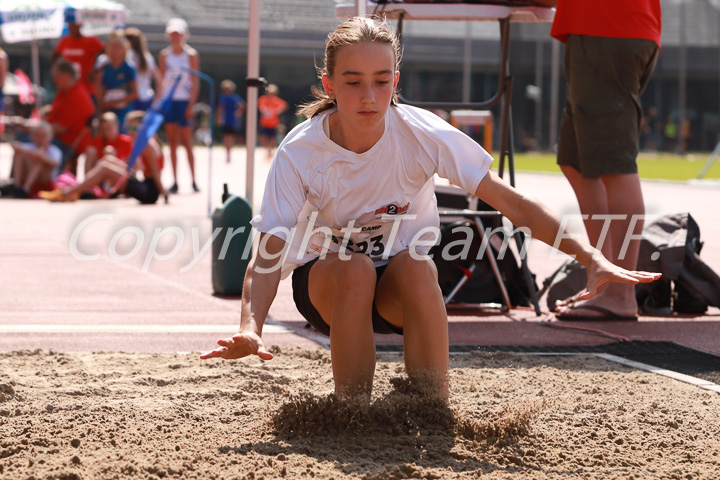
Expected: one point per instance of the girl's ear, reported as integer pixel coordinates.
(397, 78)
(327, 85)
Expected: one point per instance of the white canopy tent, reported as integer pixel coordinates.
(33, 20)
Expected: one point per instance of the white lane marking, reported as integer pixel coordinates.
(227, 329)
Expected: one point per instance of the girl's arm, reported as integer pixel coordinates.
(3, 67)
(525, 211)
(100, 92)
(133, 94)
(259, 289)
(194, 83)
(160, 74)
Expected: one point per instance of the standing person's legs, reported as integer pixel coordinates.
(615, 209)
(171, 130)
(268, 140)
(598, 149)
(229, 141)
(187, 141)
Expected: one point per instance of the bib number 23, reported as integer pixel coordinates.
(372, 246)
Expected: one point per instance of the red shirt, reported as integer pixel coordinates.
(73, 109)
(81, 52)
(270, 107)
(122, 145)
(608, 18)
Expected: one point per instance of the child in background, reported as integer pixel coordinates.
(145, 68)
(230, 106)
(172, 61)
(37, 163)
(81, 52)
(111, 168)
(108, 141)
(117, 87)
(270, 106)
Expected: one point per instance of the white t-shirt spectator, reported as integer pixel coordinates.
(53, 152)
(144, 78)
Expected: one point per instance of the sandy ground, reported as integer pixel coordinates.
(147, 416)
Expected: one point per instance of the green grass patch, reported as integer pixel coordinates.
(657, 166)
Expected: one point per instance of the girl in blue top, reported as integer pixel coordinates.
(116, 87)
(230, 106)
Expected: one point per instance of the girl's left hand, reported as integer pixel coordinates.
(602, 271)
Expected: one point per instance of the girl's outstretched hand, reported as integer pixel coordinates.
(602, 271)
(238, 346)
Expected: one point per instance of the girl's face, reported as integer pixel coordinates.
(132, 127)
(363, 84)
(116, 51)
(109, 130)
(175, 38)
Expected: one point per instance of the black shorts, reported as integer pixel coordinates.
(145, 192)
(301, 296)
(229, 130)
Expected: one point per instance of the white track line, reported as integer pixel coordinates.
(698, 382)
(92, 328)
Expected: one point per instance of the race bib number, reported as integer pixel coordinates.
(372, 240)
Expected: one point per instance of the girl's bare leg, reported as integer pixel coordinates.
(171, 129)
(187, 141)
(342, 291)
(19, 175)
(408, 295)
(109, 169)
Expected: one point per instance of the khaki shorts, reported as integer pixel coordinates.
(600, 128)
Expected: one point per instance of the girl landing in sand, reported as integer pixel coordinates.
(355, 181)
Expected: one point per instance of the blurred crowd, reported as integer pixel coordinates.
(103, 89)
(668, 135)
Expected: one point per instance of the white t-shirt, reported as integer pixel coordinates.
(143, 79)
(385, 194)
(175, 65)
(53, 152)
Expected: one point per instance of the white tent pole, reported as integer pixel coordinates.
(253, 72)
(360, 8)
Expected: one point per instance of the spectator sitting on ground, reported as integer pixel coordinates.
(35, 164)
(111, 168)
(70, 114)
(109, 140)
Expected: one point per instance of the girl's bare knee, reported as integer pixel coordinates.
(358, 271)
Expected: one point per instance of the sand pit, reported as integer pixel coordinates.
(123, 416)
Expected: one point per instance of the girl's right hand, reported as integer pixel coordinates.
(238, 346)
